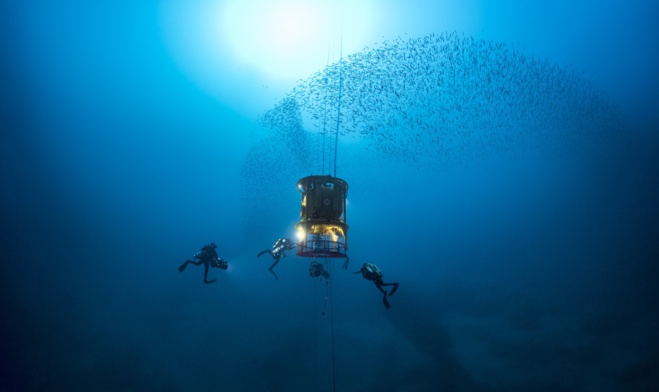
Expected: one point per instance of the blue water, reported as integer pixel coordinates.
(526, 264)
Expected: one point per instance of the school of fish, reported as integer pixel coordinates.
(431, 101)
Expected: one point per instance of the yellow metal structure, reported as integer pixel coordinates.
(322, 230)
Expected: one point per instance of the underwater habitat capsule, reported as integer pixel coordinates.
(322, 230)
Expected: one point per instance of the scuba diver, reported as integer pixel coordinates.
(316, 269)
(372, 272)
(278, 251)
(207, 256)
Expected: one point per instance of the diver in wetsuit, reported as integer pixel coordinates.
(209, 258)
(278, 251)
(372, 272)
(316, 269)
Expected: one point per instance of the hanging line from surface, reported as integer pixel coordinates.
(329, 284)
(315, 324)
(338, 110)
(322, 169)
(326, 297)
(330, 112)
(315, 338)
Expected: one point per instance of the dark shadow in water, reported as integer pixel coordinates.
(447, 373)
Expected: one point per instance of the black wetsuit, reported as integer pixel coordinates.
(209, 258)
(278, 251)
(372, 272)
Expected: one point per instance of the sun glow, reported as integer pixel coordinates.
(245, 50)
(279, 37)
(296, 27)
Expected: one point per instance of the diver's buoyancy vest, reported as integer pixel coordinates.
(371, 271)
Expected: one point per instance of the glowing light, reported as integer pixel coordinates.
(273, 35)
(248, 52)
(289, 38)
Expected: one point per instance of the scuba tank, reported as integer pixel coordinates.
(371, 271)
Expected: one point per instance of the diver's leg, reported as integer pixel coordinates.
(391, 284)
(273, 266)
(379, 285)
(206, 274)
(345, 264)
(384, 299)
(265, 251)
(182, 267)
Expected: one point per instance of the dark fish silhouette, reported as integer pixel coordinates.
(431, 101)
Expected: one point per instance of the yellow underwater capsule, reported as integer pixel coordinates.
(323, 229)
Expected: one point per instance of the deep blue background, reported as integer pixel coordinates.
(521, 272)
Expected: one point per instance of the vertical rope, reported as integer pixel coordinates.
(315, 324)
(322, 169)
(332, 324)
(338, 111)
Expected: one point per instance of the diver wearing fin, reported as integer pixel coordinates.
(316, 270)
(278, 251)
(372, 272)
(345, 263)
(209, 258)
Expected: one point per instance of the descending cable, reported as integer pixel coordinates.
(326, 296)
(332, 324)
(338, 111)
(336, 143)
(325, 115)
(315, 323)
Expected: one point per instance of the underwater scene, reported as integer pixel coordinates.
(307, 195)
